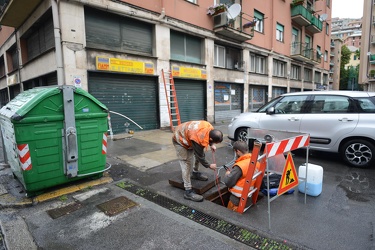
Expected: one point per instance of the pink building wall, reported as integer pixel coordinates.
(274, 11)
(5, 33)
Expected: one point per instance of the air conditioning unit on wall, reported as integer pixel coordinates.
(220, 20)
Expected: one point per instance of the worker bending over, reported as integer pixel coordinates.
(190, 140)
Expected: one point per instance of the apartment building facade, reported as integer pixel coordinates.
(347, 29)
(367, 58)
(354, 40)
(223, 63)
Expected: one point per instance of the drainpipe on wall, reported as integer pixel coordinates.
(18, 49)
(162, 14)
(58, 47)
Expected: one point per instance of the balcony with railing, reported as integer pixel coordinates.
(239, 29)
(305, 17)
(13, 13)
(372, 58)
(316, 25)
(303, 52)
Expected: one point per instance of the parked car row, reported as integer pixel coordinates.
(337, 121)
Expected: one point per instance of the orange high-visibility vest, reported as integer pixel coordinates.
(243, 163)
(198, 131)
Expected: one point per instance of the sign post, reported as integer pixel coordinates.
(277, 143)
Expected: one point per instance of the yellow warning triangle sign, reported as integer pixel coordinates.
(289, 179)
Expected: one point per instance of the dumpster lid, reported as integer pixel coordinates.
(17, 108)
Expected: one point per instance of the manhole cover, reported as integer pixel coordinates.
(116, 205)
(58, 212)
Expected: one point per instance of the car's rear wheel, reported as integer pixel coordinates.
(358, 153)
(241, 134)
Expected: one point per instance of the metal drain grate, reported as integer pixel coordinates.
(116, 206)
(58, 212)
(240, 234)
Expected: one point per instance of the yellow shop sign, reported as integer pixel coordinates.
(125, 66)
(189, 72)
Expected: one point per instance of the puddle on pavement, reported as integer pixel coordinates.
(356, 186)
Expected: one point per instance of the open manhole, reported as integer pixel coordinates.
(116, 206)
(212, 190)
(61, 211)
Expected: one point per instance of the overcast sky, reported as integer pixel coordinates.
(347, 8)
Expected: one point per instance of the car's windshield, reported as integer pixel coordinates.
(271, 103)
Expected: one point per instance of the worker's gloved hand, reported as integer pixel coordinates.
(213, 166)
(213, 148)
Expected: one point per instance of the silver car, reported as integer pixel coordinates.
(337, 121)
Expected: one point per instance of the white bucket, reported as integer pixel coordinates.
(314, 179)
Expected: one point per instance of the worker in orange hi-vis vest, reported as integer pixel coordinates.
(235, 178)
(190, 140)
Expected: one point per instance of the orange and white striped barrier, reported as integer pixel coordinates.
(280, 147)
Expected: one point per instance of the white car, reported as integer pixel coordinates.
(337, 121)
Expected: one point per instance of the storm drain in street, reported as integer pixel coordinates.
(61, 211)
(116, 206)
(240, 234)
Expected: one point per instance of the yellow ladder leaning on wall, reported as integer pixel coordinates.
(171, 97)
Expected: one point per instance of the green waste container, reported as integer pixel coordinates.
(54, 135)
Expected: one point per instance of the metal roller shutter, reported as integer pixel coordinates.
(51, 79)
(117, 33)
(191, 97)
(228, 101)
(133, 96)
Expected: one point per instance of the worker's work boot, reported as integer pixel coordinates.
(191, 195)
(198, 176)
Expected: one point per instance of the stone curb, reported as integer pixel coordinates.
(9, 201)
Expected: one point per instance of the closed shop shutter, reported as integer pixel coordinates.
(257, 97)
(133, 96)
(228, 101)
(191, 97)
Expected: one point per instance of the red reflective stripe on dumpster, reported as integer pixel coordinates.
(24, 155)
(104, 144)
